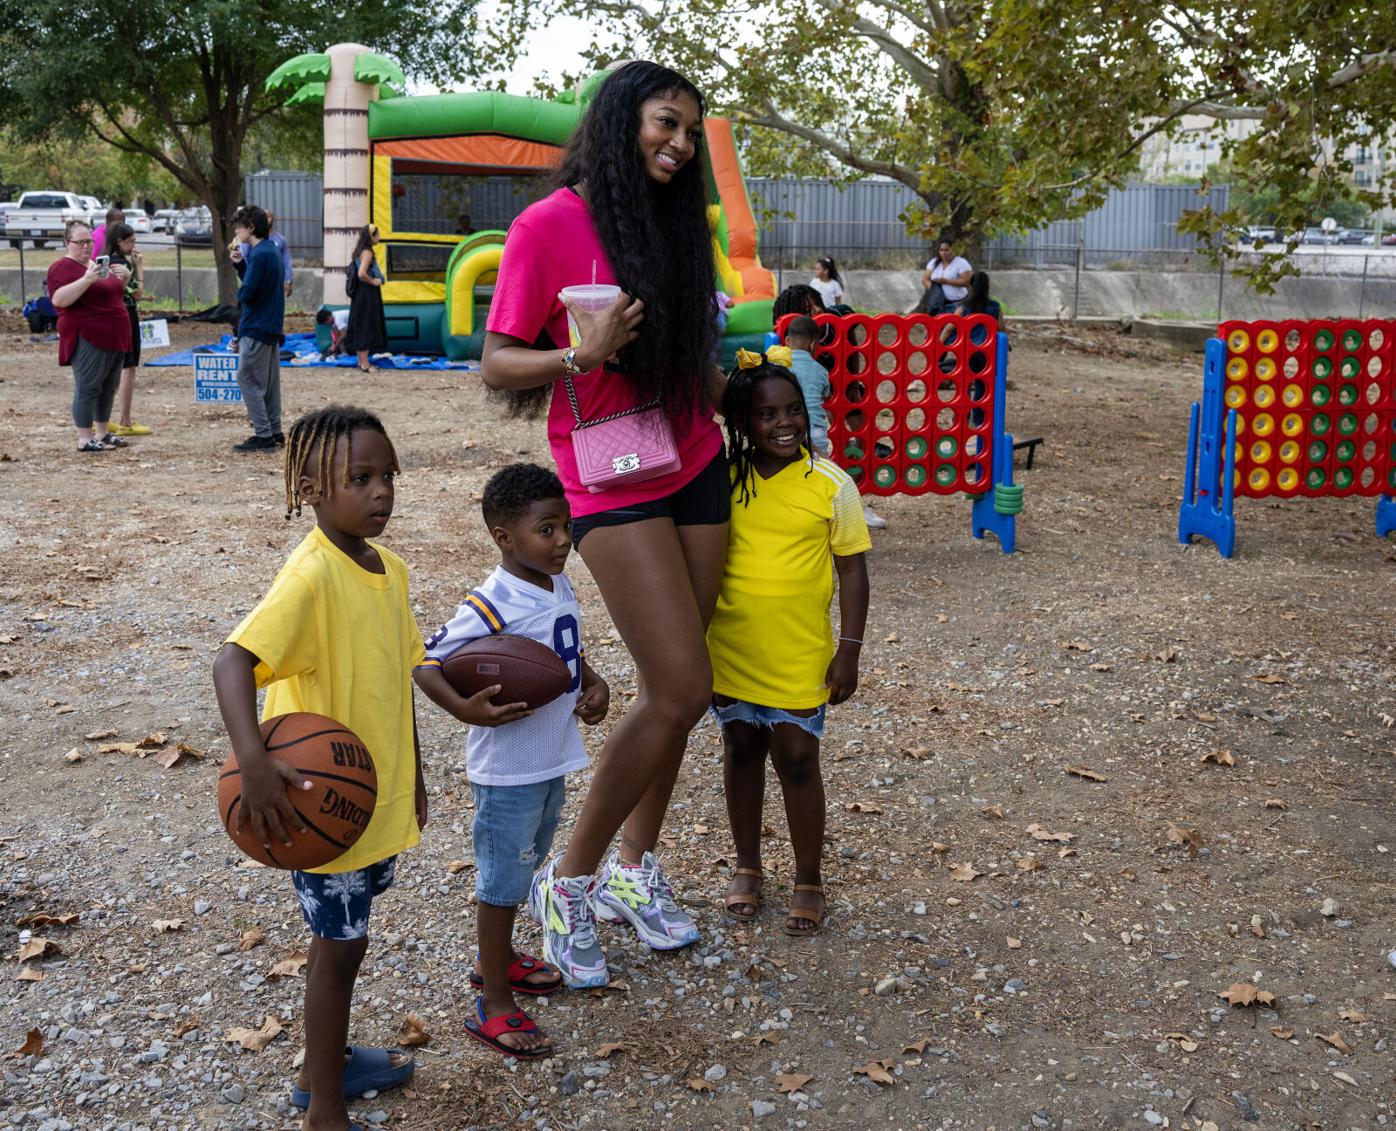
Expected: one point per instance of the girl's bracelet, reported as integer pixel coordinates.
(850, 640)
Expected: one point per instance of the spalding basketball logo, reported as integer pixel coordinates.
(341, 808)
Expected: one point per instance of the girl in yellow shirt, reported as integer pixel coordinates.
(797, 520)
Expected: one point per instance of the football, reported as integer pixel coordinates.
(526, 671)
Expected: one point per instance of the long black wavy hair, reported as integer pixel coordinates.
(736, 412)
(656, 237)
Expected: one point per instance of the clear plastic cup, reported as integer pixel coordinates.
(591, 297)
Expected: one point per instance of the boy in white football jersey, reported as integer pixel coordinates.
(517, 759)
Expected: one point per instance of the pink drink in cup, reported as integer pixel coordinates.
(591, 297)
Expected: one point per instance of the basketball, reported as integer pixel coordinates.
(335, 812)
(526, 671)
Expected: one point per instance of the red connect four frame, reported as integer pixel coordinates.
(1315, 404)
(913, 404)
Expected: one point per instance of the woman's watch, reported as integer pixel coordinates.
(570, 368)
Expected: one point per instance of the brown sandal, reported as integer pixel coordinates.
(750, 899)
(813, 924)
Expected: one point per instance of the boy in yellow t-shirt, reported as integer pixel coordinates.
(335, 636)
(797, 521)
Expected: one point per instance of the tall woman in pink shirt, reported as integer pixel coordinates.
(630, 207)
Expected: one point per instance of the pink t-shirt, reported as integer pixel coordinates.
(553, 244)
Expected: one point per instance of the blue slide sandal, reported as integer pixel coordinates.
(366, 1070)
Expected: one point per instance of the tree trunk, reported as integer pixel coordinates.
(225, 194)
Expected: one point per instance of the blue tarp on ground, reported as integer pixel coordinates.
(304, 354)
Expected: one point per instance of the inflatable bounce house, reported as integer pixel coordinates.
(444, 175)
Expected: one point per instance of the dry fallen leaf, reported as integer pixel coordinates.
(1041, 832)
(1028, 864)
(1100, 667)
(38, 948)
(1352, 1015)
(188, 1025)
(939, 847)
(29, 974)
(1220, 757)
(792, 1081)
(164, 926)
(454, 867)
(876, 1070)
(1086, 772)
(1245, 993)
(118, 748)
(1336, 1040)
(45, 919)
(610, 1047)
(1077, 646)
(1186, 1043)
(964, 873)
(1269, 677)
(73, 755)
(769, 1037)
(413, 1033)
(153, 740)
(1282, 1033)
(917, 1046)
(255, 1040)
(1276, 803)
(252, 937)
(289, 967)
(1190, 838)
(94, 736)
(170, 755)
(1014, 944)
(698, 1084)
(863, 807)
(1167, 655)
(33, 1044)
(994, 811)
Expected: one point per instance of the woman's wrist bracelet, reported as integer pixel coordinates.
(850, 640)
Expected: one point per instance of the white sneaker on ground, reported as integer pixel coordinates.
(874, 521)
(639, 894)
(563, 907)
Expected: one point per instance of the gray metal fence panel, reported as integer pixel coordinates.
(298, 199)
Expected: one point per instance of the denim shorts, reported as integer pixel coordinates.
(513, 832)
(740, 711)
(336, 904)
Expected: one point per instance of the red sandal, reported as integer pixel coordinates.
(489, 1029)
(519, 970)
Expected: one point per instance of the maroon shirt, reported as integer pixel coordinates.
(99, 317)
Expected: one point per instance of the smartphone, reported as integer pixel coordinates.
(103, 266)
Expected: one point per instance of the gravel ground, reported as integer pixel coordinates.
(1040, 885)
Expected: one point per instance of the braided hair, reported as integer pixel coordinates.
(736, 412)
(319, 432)
(798, 298)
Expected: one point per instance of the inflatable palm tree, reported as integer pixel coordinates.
(345, 79)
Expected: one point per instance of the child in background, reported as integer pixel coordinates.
(517, 759)
(830, 287)
(800, 337)
(334, 636)
(796, 521)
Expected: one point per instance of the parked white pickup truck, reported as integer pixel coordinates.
(40, 216)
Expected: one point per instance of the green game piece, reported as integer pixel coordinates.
(854, 471)
(1347, 395)
(1320, 424)
(1342, 478)
(1347, 423)
(1320, 395)
(946, 447)
(1352, 340)
(1391, 478)
(1318, 451)
(1323, 341)
(885, 476)
(853, 450)
(1322, 367)
(1349, 368)
(1345, 450)
(916, 447)
(915, 475)
(1316, 478)
(945, 474)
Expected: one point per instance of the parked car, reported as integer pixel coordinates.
(194, 228)
(1357, 236)
(96, 210)
(138, 220)
(1319, 236)
(1389, 240)
(1259, 233)
(164, 220)
(41, 215)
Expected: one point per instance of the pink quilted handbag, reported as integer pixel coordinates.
(625, 447)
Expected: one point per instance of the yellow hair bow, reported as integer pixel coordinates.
(776, 355)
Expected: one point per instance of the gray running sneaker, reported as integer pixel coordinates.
(563, 906)
(641, 896)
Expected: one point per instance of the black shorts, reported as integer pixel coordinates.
(705, 500)
(133, 355)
